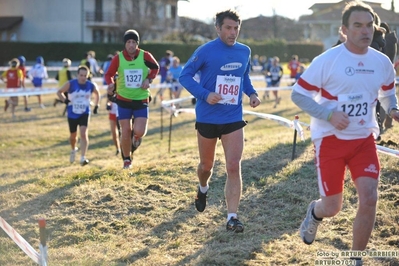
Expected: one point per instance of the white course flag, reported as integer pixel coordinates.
(20, 241)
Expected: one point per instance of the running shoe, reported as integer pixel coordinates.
(73, 154)
(27, 109)
(84, 162)
(200, 201)
(234, 225)
(309, 225)
(127, 164)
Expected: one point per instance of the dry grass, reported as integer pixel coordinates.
(102, 215)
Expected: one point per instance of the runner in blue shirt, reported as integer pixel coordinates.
(224, 64)
(78, 108)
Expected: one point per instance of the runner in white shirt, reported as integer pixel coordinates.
(37, 73)
(340, 90)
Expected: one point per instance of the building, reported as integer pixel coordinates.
(325, 21)
(85, 21)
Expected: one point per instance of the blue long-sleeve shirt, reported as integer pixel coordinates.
(219, 64)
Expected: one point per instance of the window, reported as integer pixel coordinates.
(98, 36)
(173, 12)
(168, 11)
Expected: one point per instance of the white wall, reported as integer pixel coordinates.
(47, 20)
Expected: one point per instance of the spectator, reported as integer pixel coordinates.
(13, 78)
(164, 65)
(22, 61)
(37, 73)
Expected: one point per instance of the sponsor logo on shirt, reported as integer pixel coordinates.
(350, 71)
(231, 66)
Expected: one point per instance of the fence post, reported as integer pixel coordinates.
(43, 245)
(294, 146)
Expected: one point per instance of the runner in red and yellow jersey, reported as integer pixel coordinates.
(136, 69)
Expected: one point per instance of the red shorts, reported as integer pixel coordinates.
(333, 155)
(112, 117)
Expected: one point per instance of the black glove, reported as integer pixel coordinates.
(95, 111)
(112, 98)
(67, 101)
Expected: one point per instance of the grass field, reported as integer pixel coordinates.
(100, 214)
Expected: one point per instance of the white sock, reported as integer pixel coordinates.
(204, 189)
(231, 215)
(82, 158)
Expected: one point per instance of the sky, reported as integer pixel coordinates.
(205, 10)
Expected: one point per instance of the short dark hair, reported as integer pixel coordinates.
(84, 68)
(231, 14)
(355, 6)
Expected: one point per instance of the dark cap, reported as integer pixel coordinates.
(131, 34)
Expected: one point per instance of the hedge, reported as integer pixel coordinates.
(76, 51)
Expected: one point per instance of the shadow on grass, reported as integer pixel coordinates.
(258, 212)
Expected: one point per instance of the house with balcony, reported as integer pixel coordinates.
(86, 21)
(323, 24)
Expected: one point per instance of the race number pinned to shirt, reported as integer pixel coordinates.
(133, 78)
(229, 88)
(358, 107)
(80, 102)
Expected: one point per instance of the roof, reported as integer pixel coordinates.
(9, 22)
(328, 12)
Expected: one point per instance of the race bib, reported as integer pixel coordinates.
(229, 88)
(80, 103)
(358, 107)
(133, 78)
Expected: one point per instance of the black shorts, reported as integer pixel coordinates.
(83, 120)
(211, 131)
(132, 104)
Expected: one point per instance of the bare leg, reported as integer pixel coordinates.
(73, 139)
(84, 140)
(114, 132)
(126, 139)
(365, 217)
(206, 149)
(233, 144)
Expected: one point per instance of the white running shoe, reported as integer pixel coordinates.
(72, 155)
(309, 226)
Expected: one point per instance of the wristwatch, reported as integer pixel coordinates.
(150, 80)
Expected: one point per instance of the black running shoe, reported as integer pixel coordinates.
(200, 201)
(234, 225)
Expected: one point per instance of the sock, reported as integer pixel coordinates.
(82, 158)
(204, 189)
(231, 215)
(126, 158)
(314, 216)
